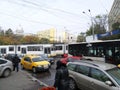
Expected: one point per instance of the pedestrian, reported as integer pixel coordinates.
(15, 62)
(61, 77)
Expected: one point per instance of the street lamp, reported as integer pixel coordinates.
(91, 22)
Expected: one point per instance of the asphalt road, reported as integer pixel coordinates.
(46, 77)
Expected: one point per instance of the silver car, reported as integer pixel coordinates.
(5, 67)
(93, 75)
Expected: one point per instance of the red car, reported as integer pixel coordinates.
(70, 59)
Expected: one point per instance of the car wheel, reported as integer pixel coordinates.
(6, 72)
(34, 70)
(22, 67)
(72, 84)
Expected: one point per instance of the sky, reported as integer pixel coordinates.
(63, 15)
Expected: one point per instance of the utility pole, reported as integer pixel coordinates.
(91, 18)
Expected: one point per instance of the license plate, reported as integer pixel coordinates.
(45, 66)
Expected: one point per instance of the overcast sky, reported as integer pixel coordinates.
(36, 15)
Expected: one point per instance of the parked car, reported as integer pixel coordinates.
(11, 56)
(93, 75)
(34, 63)
(49, 59)
(5, 67)
(70, 59)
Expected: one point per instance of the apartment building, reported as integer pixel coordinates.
(114, 15)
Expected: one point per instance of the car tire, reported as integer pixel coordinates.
(22, 67)
(34, 70)
(72, 84)
(6, 73)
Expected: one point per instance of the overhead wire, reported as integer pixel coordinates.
(37, 6)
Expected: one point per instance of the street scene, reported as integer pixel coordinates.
(59, 45)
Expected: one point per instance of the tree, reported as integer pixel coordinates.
(9, 32)
(81, 37)
(116, 26)
(44, 41)
(1, 32)
(30, 40)
(99, 25)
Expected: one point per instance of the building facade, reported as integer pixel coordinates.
(48, 34)
(114, 15)
(60, 36)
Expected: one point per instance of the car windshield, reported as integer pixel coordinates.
(37, 59)
(115, 74)
(44, 56)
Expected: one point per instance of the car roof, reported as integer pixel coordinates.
(98, 64)
(31, 56)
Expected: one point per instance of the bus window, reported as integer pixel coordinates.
(117, 55)
(90, 51)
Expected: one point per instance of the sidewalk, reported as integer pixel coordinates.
(20, 81)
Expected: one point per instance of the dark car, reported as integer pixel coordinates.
(70, 59)
(10, 56)
(49, 59)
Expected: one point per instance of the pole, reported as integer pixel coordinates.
(92, 24)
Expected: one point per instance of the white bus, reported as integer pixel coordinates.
(61, 49)
(27, 49)
(47, 49)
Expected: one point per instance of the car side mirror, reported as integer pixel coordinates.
(108, 83)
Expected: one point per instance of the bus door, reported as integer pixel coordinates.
(23, 51)
(47, 50)
(3, 51)
(109, 54)
(117, 55)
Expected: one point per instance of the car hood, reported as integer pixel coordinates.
(41, 63)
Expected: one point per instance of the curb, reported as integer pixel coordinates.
(35, 79)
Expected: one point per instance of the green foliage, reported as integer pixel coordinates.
(116, 26)
(44, 41)
(99, 24)
(81, 37)
(9, 38)
(9, 32)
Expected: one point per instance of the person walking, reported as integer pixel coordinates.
(15, 62)
(61, 77)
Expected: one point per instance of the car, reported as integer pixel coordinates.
(93, 75)
(70, 59)
(49, 59)
(34, 63)
(6, 67)
(11, 56)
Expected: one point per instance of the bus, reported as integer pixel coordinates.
(61, 49)
(52, 50)
(106, 51)
(27, 49)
